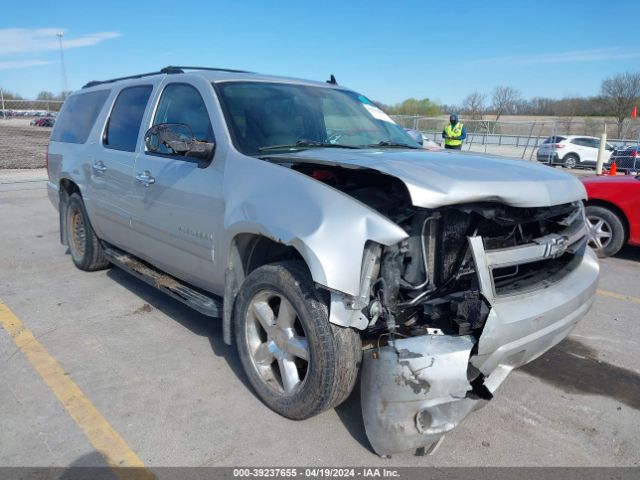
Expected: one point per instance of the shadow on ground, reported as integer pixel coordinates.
(194, 321)
(349, 412)
(574, 368)
(629, 252)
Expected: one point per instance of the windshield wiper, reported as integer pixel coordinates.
(387, 143)
(305, 144)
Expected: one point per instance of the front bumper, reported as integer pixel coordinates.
(548, 157)
(417, 389)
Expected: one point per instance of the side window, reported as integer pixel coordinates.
(123, 126)
(581, 142)
(182, 103)
(77, 116)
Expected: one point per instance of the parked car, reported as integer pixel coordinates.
(419, 137)
(572, 151)
(613, 212)
(626, 158)
(43, 122)
(326, 239)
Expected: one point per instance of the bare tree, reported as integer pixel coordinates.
(473, 105)
(620, 93)
(504, 100)
(567, 109)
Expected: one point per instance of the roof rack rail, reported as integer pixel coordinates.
(166, 70)
(210, 69)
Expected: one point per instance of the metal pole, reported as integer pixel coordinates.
(553, 149)
(4, 113)
(524, 152)
(64, 72)
(536, 141)
(603, 142)
(635, 159)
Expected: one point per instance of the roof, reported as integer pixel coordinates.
(213, 74)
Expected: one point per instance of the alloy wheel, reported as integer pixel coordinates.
(600, 232)
(277, 344)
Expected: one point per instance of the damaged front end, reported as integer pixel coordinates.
(474, 291)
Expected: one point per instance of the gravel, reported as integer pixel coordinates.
(21, 145)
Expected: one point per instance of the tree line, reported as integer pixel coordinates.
(617, 96)
(42, 96)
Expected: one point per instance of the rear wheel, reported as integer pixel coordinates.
(606, 231)
(570, 160)
(86, 251)
(297, 362)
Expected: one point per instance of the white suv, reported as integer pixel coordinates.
(572, 151)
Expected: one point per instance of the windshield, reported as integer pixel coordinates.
(279, 117)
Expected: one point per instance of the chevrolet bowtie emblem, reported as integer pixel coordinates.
(555, 245)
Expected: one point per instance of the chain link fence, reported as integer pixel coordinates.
(29, 108)
(521, 138)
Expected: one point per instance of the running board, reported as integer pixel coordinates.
(206, 304)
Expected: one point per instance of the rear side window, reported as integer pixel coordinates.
(556, 139)
(77, 117)
(124, 123)
(584, 142)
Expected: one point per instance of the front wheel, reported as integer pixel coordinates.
(605, 230)
(297, 362)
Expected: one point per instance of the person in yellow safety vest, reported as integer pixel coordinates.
(454, 133)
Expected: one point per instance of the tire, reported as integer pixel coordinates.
(570, 160)
(86, 251)
(606, 230)
(273, 342)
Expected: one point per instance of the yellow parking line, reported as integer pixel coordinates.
(102, 436)
(618, 296)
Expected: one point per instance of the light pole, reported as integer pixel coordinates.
(64, 72)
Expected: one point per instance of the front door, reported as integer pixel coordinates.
(177, 200)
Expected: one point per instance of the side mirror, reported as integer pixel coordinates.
(176, 139)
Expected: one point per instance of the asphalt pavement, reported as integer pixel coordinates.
(161, 379)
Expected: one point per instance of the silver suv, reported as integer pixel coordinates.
(325, 239)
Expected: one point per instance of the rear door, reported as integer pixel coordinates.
(593, 145)
(583, 147)
(178, 209)
(113, 162)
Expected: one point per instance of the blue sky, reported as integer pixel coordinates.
(387, 50)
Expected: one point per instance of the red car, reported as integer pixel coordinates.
(613, 212)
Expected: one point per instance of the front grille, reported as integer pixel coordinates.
(519, 250)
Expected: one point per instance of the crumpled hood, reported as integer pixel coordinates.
(439, 178)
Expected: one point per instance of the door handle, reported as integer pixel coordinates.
(99, 167)
(145, 178)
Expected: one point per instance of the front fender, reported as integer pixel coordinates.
(327, 227)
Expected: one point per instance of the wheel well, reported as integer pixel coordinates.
(67, 188)
(248, 252)
(263, 250)
(616, 210)
(572, 154)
